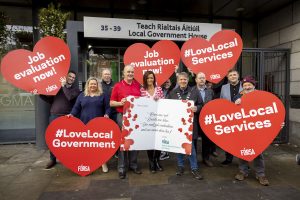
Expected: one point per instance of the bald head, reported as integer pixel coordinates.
(128, 73)
(200, 79)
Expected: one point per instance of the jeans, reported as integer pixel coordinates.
(258, 163)
(192, 158)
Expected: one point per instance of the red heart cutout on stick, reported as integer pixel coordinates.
(39, 71)
(214, 57)
(244, 130)
(161, 59)
(83, 148)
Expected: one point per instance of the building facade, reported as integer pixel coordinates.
(267, 24)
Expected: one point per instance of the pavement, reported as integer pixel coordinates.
(22, 176)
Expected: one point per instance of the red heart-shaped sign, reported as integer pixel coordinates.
(162, 59)
(214, 57)
(39, 71)
(244, 130)
(83, 148)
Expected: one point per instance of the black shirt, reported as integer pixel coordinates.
(107, 89)
(234, 90)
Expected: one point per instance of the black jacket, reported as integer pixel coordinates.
(192, 94)
(107, 89)
(209, 95)
(63, 101)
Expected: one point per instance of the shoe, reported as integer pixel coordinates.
(226, 162)
(136, 171)
(152, 167)
(298, 159)
(208, 163)
(122, 175)
(50, 164)
(241, 176)
(263, 180)
(164, 156)
(196, 174)
(180, 171)
(214, 154)
(104, 168)
(158, 166)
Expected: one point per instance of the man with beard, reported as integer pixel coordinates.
(61, 104)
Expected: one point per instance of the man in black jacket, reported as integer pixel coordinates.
(206, 95)
(61, 104)
(184, 92)
(107, 86)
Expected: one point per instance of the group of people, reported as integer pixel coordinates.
(106, 99)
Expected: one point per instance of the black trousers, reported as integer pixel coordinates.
(153, 155)
(207, 146)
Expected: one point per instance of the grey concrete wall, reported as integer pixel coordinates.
(282, 30)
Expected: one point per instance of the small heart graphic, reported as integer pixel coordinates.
(187, 147)
(127, 144)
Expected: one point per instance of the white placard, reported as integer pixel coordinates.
(97, 27)
(164, 125)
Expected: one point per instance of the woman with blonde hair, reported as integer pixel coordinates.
(91, 103)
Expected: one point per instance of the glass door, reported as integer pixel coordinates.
(105, 57)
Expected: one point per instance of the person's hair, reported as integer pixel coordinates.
(86, 87)
(183, 74)
(73, 72)
(129, 65)
(164, 84)
(200, 73)
(104, 69)
(249, 79)
(145, 77)
(233, 70)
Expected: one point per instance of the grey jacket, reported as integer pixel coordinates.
(225, 91)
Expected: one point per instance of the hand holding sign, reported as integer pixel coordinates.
(39, 70)
(83, 148)
(244, 130)
(215, 57)
(162, 59)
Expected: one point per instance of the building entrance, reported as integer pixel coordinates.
(104, 57)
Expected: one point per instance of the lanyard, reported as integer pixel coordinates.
(180, 97)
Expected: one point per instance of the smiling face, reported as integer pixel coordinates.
(248, 87)
(71, 78)
(200, 79)
(128, 73)
(93, 86)
(106, 75)
(167, 84)
(233, 77)
(182, 81)
(150, 80)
